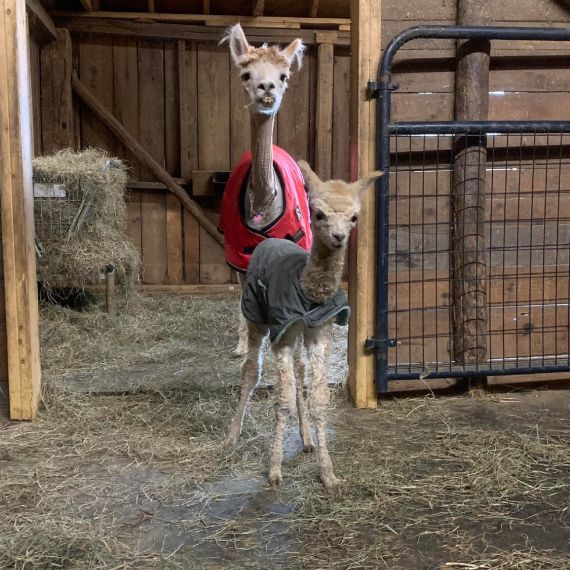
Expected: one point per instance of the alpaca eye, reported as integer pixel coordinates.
(353, 219)
(320, 216)
(283, 77)
(245, 77)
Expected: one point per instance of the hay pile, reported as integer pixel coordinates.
(78, 234)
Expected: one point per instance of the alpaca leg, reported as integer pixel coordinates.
(283, 405)
(304, 430)
(318, 344)
(241, 348)
(250, 376)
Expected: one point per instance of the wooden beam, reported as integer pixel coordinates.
(219, 20)
(314, 8)
(258, 6)
(40, 22)
(150, 4)
(87, 5)
(144, 157)
(57, 97)
(18, 296)
(188, 32)
(324, 119)
(205, 6)
(365, 56)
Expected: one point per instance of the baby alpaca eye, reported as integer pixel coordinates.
(320, 216)
(245, 76)
(283, 77)
(354, 218)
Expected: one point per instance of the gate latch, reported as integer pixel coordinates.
(374, 343)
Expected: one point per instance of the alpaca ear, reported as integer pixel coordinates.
(237, 41)
(360, 186)
(294, 52)
(311, 179)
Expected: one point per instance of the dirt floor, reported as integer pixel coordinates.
(124, 467)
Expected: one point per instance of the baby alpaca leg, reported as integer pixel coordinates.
(241, 348)
(285, 390)
(304, 429)
(318, 343)
(250, 376)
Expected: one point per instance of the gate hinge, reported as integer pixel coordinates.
(373, 88)
(374, 343)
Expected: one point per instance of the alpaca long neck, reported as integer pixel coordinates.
(321, 276)
(262, 176)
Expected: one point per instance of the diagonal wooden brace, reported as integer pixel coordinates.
(117, 128)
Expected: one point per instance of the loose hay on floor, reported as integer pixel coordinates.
(141, 480)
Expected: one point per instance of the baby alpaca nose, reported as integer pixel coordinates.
(339, 237)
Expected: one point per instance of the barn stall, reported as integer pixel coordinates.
(136, 405)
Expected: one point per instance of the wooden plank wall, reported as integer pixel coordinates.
(526, 194)
(184, 102)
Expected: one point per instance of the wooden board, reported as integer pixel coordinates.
(213, 145)
(151, 122)
(126, 108)
(341, 102)
(324, 117)
(240, 127)
(56, 95)
(96, 71)
(35, 80)
(174, 244)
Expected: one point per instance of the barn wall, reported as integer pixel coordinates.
(528, 80)
(184, 103)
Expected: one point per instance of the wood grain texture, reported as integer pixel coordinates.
(56, 94)
(151, 135)
(19, 348)
(214, 144)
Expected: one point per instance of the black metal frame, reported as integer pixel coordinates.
(385, 130)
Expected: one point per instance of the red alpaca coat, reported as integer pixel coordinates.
(294, 224)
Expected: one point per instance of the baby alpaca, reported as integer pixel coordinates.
(294, 296)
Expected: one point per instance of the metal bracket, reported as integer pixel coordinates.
(374, 343)
(373, 88)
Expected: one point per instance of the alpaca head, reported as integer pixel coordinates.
(335, 206)
(264, 71)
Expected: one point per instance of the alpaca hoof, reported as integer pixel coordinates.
(275, 479)
(308, 448)
(239, 352)
(331, 483)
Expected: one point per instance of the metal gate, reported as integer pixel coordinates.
(522, 292)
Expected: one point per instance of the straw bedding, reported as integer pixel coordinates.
(141, 479)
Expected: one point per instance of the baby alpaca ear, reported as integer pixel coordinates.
(311, 179)
(239, 45)
(360, 186)
(294, 52)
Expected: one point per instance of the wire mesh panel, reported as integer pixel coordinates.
(518, 237)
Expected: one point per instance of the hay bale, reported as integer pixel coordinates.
(82, 229)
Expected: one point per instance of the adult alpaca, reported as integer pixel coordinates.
(265, 195)
(294, 296)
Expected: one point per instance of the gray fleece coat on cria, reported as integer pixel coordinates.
(272, 294)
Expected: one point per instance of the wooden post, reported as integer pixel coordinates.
(19, 350)
(468, 195)
(365, 56)
(110, 296)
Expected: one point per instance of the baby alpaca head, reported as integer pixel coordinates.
(335, 206)
(264, 71)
